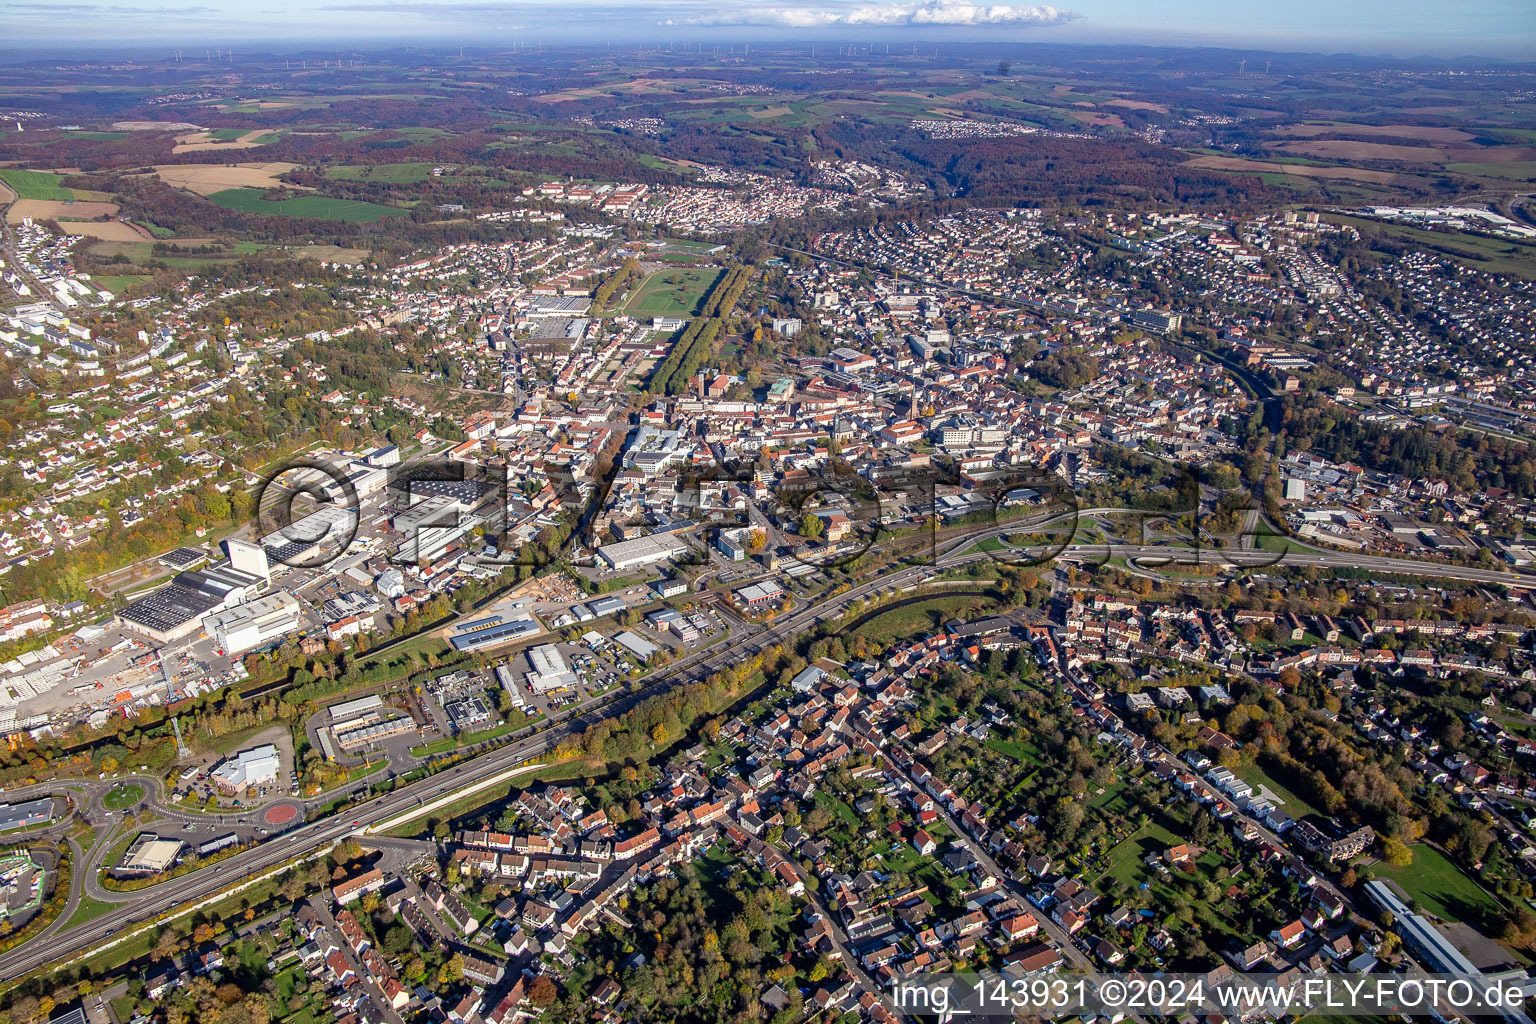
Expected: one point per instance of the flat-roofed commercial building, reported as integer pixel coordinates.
(465, 714)
(550, 670)
(636, 644)
(647, 550)
(557, 305)
(256, 624)
(654, 450)
(1434, 949)
(357, 708)
(606, 606)
(368, 480)
(149, 855)
(1421, 937)
(182, 559)
(491, 632)
(1157, 320)
(509, 683)
(173, 611)
(248, 769)
(249, 558)
(433, 523)
(758, 595)
(389, 455)
(360, 732)
(305, 540)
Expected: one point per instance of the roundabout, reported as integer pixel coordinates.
(280, 814)
(123, 796)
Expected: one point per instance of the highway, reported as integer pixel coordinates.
(954, 552)
(305, 839)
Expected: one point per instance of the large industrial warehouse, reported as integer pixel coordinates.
(642, 551)
(175, 610)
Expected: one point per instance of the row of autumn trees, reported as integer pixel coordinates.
(697, 344)
(683, 361)
(615, 281)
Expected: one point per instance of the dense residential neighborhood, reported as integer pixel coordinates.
(686, 534)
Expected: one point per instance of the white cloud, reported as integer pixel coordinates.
(933, 12)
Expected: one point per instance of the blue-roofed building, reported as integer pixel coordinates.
(496, 633)
(606, 606)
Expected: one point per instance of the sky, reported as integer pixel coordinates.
(1499, 28)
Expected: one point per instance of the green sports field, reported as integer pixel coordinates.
(249, 200)
(672, 292)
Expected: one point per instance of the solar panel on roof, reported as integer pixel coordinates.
(493, 634)
(183, 557)
(170, 606)
(288, 551)
(426, 485)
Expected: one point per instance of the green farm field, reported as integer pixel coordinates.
(393, 174)
(249, 200)
(35, 185)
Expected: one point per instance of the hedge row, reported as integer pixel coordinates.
(672, 376)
